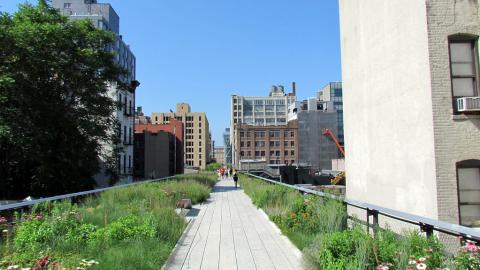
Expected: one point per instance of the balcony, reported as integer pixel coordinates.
(468, 104)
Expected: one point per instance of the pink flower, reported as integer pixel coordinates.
(38, 217)
(471, 247)
(43, 262)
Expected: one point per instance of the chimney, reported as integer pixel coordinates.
(294, 89)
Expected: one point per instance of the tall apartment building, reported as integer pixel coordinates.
(197, 142)
(411, 80)
(103, 16)
(258, 111)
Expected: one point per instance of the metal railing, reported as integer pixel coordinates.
(426, 225)
(24, 205)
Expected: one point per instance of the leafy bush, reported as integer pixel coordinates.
(349, 249)
(213, 167)
(468, 257)
(130, 228)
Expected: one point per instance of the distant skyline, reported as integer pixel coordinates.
(202, 52)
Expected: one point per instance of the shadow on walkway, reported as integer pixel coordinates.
(220, 189)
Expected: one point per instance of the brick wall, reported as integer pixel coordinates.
(456, 137)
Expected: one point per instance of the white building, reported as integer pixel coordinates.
(103, 16)
(410, 74)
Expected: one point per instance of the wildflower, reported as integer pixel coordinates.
(43, 262)
(13, 267)
(412, 262)
(38, 217)
(5, 231)
(421, 266)
(383, 267)
(422, 259)
(293, 215)
(471, 247)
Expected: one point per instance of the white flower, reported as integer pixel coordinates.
(13, 267)
(421, 266)
(422, 259)
(412, 262)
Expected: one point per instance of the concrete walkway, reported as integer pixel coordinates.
(229, 232)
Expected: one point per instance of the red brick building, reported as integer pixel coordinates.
(159, 148)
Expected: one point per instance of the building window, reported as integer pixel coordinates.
(67, 5)
(463, 68)
(468, 175)
(292, 153)
(248, 144)
(242, 144)
(242, 154)
(292, 143)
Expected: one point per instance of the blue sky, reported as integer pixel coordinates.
(203, 51)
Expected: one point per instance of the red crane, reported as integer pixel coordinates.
(335, 139)
(342, 175)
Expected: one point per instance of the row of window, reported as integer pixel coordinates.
(271, 134)
(123, 162)
(191, 150)
(260, 144)
(262, 153)
(125, 105)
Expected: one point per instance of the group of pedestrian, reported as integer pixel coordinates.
(227, 173)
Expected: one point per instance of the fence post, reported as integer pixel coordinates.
(374, 214)
(427, 229)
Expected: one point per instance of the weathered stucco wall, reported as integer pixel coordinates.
(388, 105)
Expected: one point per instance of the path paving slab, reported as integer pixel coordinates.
(229, 232)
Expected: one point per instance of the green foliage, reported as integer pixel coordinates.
(129, 228)
(468, 257)
(318, 226)
(56, 110)
(213, 167)
(348, 249)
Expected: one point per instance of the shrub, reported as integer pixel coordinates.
(129, 228)
(349, 249)
(468, 257)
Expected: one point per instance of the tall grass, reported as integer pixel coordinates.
(318, 226)
(129, 228)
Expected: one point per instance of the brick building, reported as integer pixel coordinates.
(197, 140)
(174, 146)
(273, 144)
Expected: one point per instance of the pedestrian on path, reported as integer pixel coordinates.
(235, 178)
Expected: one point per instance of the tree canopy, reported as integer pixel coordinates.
(55, 107)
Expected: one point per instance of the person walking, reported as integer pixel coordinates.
(235, 178)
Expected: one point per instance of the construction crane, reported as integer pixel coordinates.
(335, 139)
(340, 176)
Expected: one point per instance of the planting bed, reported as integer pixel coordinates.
(130, 228)
(318, 226)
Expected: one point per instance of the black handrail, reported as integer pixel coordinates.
(426, 225)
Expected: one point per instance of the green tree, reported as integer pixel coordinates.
(55, 108)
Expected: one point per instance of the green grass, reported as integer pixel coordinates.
(318, 227)
(130, 228)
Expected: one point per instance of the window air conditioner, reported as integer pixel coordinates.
(468, 104)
